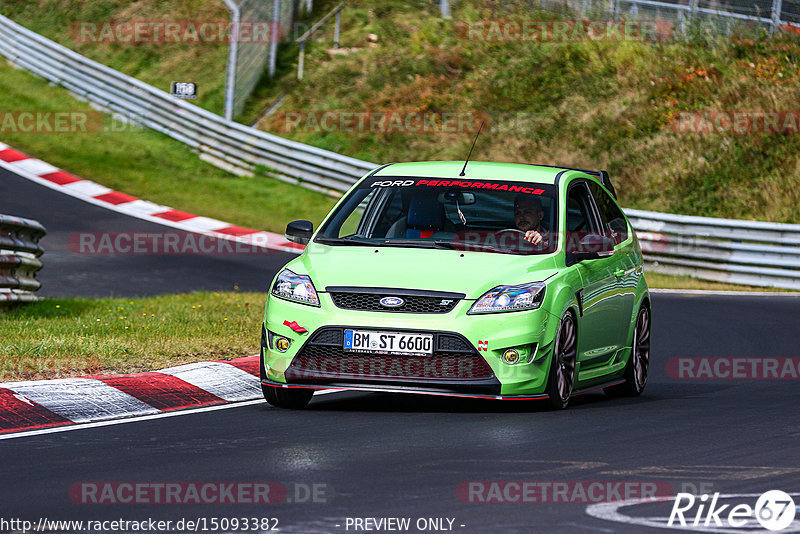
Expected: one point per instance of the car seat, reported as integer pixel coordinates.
(425, 216)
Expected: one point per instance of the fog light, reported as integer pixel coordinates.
(511, 356)
(282, 344)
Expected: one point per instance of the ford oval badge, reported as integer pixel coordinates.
(392, 302)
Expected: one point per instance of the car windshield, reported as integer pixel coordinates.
(487, 215)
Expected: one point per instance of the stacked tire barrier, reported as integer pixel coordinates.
(19, 259)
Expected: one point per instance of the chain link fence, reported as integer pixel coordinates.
(248, 54)
(708, 15)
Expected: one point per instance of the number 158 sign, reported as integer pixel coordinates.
(184, 90)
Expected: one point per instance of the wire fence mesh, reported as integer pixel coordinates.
(250, 58)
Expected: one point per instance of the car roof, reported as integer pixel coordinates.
(519, 172)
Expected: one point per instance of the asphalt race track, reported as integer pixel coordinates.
(68, 273)
(379, 455)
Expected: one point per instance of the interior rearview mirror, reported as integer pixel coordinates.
(457, 197)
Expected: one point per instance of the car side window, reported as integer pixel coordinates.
(614, 225)
(580, 219)
(579, 211)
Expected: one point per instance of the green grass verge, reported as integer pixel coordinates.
(56, 338)
(668, 281)
(151, 165)
(76, 337)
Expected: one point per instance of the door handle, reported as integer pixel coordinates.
(619, 273)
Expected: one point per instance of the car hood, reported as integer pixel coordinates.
(472, 273)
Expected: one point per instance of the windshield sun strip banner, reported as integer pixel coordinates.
(494, 185)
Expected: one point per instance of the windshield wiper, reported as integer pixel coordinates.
(343, 241)
(463, 245)
(416, 244)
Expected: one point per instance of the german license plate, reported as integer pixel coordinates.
(397, 343)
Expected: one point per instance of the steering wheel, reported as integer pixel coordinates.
(522, 243)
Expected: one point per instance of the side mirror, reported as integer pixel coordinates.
(591, 247)
(299, 232)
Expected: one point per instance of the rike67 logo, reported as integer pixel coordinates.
(774, 510)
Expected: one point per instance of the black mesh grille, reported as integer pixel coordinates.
(328, 337)
(412, 304)
(453, 359)
(447, 343)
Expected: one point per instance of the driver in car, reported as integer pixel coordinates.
(528, 215)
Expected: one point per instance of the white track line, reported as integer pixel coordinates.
(137, 419)
(708, 292)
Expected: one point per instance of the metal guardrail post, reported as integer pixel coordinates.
(777, 6)
(307, 35)
(230, 69)
(301, 60)
(337, 29)
(274, 35)
(692, 11)
(444, 6)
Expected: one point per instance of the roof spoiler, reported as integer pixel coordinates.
(606, 181)
(603, 175)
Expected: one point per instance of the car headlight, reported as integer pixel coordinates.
(295, 287)
(510, 298)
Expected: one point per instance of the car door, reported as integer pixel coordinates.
(615, 226)
(598, 334)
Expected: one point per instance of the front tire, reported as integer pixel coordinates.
(292, 398)
(638, 366)
(562, 364)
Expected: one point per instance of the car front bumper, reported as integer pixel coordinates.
(467, 360)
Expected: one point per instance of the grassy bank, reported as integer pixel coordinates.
(153, 166)
(157, 63)
(611, 105)
(74, 337)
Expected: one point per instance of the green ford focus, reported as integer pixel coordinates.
(493, 280)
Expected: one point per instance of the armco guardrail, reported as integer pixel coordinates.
(229, 145)
(724, 250)
(734, 251)
(19, 258)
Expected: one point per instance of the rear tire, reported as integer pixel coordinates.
(638, 365)
(561, 379)
(292, 398)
